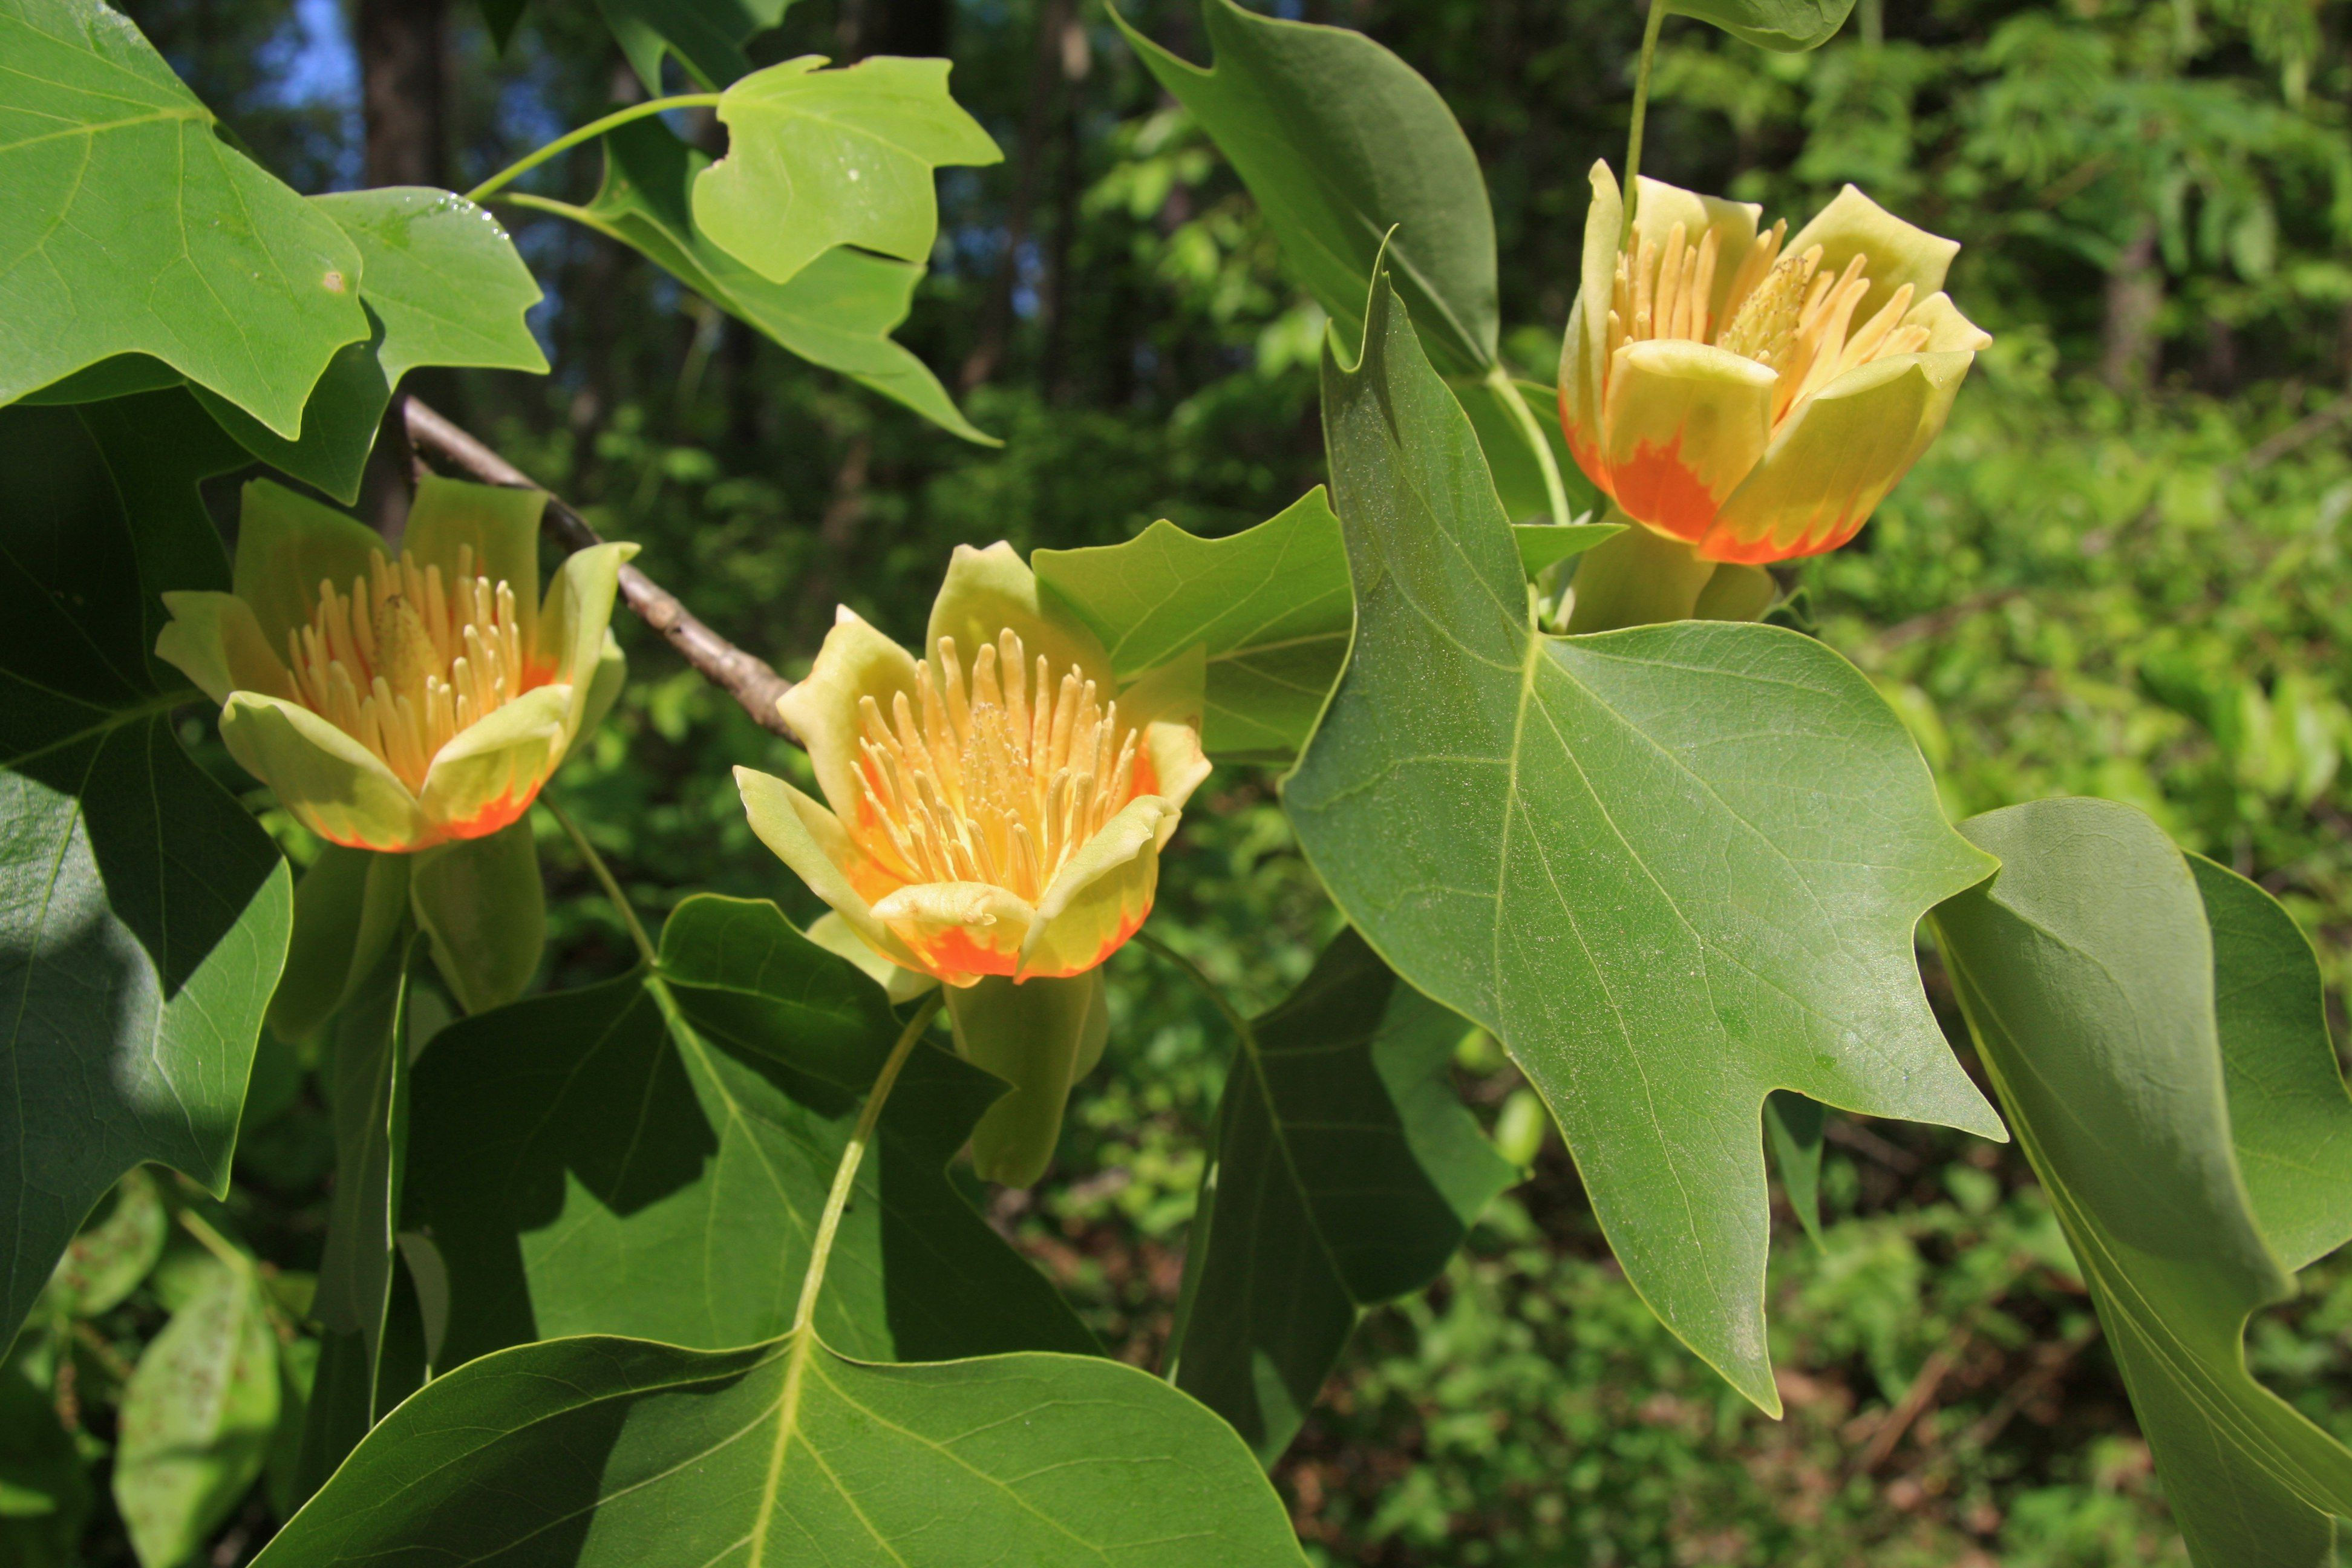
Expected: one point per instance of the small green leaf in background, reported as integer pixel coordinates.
(1543, 544)
(1787, 26)
(1346, 1173)
(108, 1259)
(130, 227)
(197, 1416)
(1519, 481)
(838, 311)
(1339, 141)
(443, 287)
(482, 906)
(144, 913)
(1269, 605)
(706, 36)
(1672, 869)
(606, 1453)
(1792, 1126)
(2153, 1027)
(347, 908)
(820, 158)
(587, 1166)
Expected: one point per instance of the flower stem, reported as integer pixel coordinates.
(620, 900)
(588, 132)
(1658, 9)
(844, 1175)
(1555, 493)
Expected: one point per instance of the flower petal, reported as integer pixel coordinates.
(1836, 458)
(1169, 702)
(329, 783)
(489, 771)
(810, 839)
(347, 908)
(501, 523)
(837, 937)
(483, 910)
(1102, 895)
(989, 590)
(1033, 1035)
(1662, 205)
(286, 545)
(214, 641)
(857, 661)
(1898, 252)
(959, 930)
(1685, 423)
(605, 685)
(1583, 349)
(572, 621)
(1948, 330)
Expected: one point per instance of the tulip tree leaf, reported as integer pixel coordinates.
(197, 1416)
(443, 286)
(1788, 27)
(108, 1259)
(820, 158)
(1543, 544)
(1672, 869)
(144, 913)
(706, 36)
(1339, 141)
(838, 311)
(610, 1453)
(584, 1166)
(130, 227)
(1793, 1127)
(1269, 604)
(1518, 481)
(2088, 970)
(1345, 1174)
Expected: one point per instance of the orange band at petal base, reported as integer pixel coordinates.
(1656, 488)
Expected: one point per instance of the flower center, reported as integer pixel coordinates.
(401, 664)
(1783, 312)
(998, 783)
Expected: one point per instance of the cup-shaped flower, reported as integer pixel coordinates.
(997, 807)
(1755, 395)
(396, 704)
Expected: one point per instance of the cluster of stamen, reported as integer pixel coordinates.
(401, 664)
(1783, 312)
(999, 782)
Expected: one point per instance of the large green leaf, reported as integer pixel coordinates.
(587, 1166)
(1789, 26)
(143, 914)
(443, 286)
(837, 311)
(1345, 1174)
(1340, 142)
(820, 158)
(1269, 605)
(1673, 868)
(2087, 969)
(606, 1453)
(130, 227)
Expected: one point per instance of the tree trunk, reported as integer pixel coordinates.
(403, 95)
(1029, 155)
(2128, 346)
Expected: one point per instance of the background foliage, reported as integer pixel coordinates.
(2117, 575)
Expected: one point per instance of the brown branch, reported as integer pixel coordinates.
(745, 677)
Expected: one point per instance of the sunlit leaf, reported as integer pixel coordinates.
(1673, 868)
(1344, 1172)
(820, 158)
(129, 227)
(1789, 26)
(108, 1259)
(1339, 141)
(2088, 970)
(1270, 605)
(144, 915)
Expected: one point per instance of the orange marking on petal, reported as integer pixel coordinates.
(1720, 545)
(1586, 450)
(1654, 486)
(498, 814)
(954, 952)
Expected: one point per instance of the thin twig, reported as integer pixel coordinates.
(1916, 1399)
(2310, 427)
(745, 677)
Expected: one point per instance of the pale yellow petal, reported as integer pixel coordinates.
(495, 527)
(839, 938)
(1101, 897)
(989, 590)
(809, 839)
(286, 545)
(1897, 252)
(329, 782)
(856, 662)
(959, 931)
(1168, 704)
(1687, 422)
(1662, 205)
(489, 771)
(214, 641)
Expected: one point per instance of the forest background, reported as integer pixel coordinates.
(2121, 573)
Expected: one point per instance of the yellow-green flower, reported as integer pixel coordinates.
(993, 820)
(1753, 396)
(398, 704)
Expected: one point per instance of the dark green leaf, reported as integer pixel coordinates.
(143, 914)
(1269, 605)
(1792, 1125)
(1789, 26)
(1518, 481)
(2088, 976)
(130, 227)
(820, 158)
(838, 311)
(1346, 1173)
(706, 36)
(1339, 141)
(1672, 869)
(586, 1167)
(198, 1415)
(605, 1452)
(44, 1490)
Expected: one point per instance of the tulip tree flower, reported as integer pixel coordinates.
(1752, 396)
(993, 820)
(411, 705)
